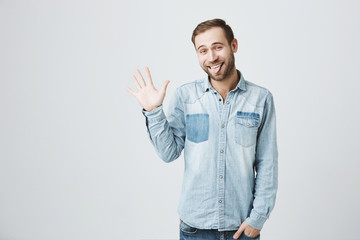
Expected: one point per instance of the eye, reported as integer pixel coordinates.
(218, 47)
(202, 51)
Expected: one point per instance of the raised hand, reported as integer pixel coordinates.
(148, 96)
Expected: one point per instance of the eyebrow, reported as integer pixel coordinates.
(214, 43)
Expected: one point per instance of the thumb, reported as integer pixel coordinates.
(239, 231)
(164, 86)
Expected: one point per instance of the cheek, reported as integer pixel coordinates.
(223, 56)
(202, 59)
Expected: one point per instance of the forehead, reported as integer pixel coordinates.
(215, 34)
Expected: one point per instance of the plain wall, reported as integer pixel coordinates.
(75, 158)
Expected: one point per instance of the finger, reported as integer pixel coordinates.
(136, 82)
(239, 232)
(140, 77)
(148, 76)
(164, 86)
(131, 91)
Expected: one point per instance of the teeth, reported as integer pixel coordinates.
(217, 66)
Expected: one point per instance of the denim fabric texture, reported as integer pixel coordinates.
(190, 233)
(230, 153)
(197, 127)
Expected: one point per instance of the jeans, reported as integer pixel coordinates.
(190, 233)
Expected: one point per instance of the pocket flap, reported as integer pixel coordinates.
(248, 119)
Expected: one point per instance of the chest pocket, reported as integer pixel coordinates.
(246, 127)
(197, 127)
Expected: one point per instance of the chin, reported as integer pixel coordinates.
(216, 78)
(219, 78)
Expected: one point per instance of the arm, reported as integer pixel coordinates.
(167, 135)
(266, 166)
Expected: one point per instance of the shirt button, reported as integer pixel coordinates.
(221, 151)
(222, 125)
(220, 176)
(248, 124)
(227, 102)
(219, 99)
(220, 201)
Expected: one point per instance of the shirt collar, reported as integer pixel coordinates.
(241, 84)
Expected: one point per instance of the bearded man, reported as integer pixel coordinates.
(226, 127)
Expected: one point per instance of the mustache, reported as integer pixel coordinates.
(214, 63)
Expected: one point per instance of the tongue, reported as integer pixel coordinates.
(215, 70)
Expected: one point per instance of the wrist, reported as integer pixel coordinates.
(151, 109)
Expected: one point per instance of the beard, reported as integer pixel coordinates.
(228, 68)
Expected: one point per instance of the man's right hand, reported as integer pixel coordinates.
(148, 96)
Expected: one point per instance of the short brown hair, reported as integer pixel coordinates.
(217, 22)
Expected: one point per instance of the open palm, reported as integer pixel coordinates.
(148, 96)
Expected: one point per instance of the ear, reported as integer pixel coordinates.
(234, 45)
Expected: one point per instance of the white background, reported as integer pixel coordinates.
(75, 159)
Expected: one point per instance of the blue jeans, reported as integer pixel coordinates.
(190, 233)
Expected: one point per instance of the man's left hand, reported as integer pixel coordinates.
(247, 230)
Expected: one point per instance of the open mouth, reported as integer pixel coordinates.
(216, 68)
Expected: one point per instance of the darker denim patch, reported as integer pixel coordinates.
(247, 114)
(246, 124)
(248, 119)
(197, 127)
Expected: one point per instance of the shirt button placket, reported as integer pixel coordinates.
(222, 159)
(221, 170)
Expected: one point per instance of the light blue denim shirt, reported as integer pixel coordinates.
(230, 153)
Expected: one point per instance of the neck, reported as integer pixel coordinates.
(224, 86)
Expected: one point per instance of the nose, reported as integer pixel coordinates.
(212, 56)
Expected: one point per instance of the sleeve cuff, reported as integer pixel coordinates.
(155, 115)
(255, 220)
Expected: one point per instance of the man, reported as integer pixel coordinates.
(226, 126)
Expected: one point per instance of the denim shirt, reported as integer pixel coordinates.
(230, 153)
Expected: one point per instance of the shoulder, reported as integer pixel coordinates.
(191, 91)
(192, 86)
(255, 94)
